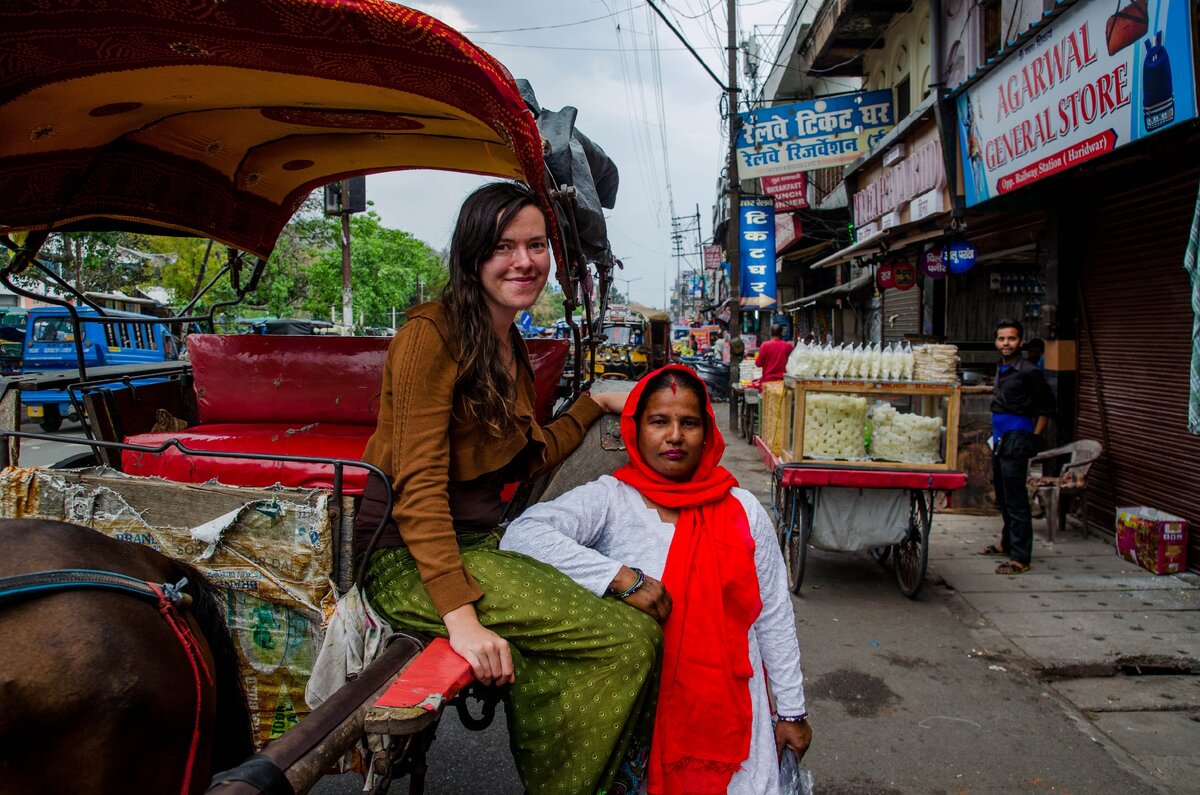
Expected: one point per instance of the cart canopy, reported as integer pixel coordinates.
(218, 119)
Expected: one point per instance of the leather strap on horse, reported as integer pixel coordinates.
(260, 772)
(166, 597)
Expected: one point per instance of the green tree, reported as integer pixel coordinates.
(389, 269)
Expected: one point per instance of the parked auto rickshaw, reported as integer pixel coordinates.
(218, 125)
(634, 341)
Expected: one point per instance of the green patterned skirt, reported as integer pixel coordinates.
(581, 710)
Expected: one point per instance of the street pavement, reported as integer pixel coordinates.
(1072, 678)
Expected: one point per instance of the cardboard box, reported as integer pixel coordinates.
(1154, 540)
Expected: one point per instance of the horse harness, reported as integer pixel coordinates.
(168, 598)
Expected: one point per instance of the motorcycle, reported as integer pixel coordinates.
(713, 372)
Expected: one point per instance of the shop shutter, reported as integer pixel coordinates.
(1135, 351)
(901, 313)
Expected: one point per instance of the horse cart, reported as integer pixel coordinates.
(242, 461)
(856, 466)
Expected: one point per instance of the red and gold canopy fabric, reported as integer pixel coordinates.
(217, 118)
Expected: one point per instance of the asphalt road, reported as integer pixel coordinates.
(35, 452)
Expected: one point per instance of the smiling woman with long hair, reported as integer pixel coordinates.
(671, 534)
(456, 423)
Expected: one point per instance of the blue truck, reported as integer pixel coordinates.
(50, 346)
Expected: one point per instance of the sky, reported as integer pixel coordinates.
(641, 96)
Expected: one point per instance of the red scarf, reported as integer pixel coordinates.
(702, 726)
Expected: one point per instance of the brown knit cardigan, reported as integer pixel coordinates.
(423, 441)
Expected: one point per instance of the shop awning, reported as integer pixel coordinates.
(837, 291)
(889, 240)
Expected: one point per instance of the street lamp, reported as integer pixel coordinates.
(627, 283)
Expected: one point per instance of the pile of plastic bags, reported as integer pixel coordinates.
(893, 362)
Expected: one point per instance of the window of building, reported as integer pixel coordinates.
(992, 24)
(903, 98)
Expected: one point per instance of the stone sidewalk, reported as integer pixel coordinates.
(1118, 646)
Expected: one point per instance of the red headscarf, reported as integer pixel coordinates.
(702, 727)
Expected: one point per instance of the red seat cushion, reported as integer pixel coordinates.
(321, 439)
(261, 378)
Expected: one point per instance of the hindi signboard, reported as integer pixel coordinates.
(790, 191)
(1091, 81)
(832, 131)
(712, 258)
(756, 251)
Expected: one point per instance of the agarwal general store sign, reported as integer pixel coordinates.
(1079, 89)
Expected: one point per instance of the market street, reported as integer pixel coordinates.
(910, 696)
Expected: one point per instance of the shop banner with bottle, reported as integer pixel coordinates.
(1094, 79)
(756, 249)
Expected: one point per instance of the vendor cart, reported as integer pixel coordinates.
(883, 506)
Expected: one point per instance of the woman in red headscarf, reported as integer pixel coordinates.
(672, 534)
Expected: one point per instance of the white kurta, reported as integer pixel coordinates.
(591, 531)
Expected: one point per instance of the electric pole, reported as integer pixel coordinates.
(733, 229)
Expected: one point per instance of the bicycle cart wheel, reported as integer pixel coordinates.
(912, 554)
(796, 535)
(778, 494)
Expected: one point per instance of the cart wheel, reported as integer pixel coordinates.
(880, 554)
(777, 497)
(52, 420)
(912, 554)
(797, 534)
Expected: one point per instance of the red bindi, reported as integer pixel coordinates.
(674, 387)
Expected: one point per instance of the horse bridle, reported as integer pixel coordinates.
(168, 598)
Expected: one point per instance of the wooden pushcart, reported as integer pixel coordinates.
(794, 490)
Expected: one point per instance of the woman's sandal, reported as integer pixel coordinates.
(992, 549)
(1012, 567)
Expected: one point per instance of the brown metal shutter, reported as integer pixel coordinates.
(1135, 352)
(901, 313)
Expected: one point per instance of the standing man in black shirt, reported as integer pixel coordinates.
(1021, 409)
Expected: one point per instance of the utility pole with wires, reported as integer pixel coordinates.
(682, 227)
(733, 230)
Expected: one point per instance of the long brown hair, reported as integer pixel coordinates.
(486, 387)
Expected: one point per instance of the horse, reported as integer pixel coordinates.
(98, 690)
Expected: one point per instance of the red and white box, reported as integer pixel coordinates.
(1152, 539)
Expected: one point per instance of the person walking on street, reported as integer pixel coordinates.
(773, 355)
(1021, 409)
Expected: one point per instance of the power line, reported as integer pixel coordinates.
(687, 44)
(546, 27)
(583, 49)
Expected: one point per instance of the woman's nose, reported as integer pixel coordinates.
(521, 257)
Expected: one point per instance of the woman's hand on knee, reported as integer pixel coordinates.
(487, 652)
(652, 598)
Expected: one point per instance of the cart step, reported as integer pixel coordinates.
(421, 691)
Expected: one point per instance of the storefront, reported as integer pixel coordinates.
(1104, 154)
(901, 207)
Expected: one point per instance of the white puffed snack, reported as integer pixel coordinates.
(834, 426)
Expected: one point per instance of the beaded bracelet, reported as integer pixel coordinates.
(631, 590)
(803, 716)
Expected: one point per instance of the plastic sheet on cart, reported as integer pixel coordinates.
(850, 520)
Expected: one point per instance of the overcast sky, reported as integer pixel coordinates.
(606, 67)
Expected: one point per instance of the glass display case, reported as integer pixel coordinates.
(877, 424)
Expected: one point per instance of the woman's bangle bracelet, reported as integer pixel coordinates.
(803, 716)
(631, 590)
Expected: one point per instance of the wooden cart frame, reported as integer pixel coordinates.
(929, 392)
